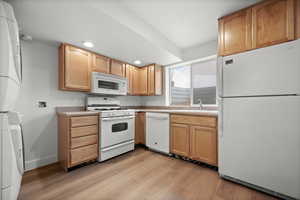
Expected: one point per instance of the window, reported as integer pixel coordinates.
(194, 82)
(180, 85)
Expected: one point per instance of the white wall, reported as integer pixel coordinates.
(200, 51)
(40, 83)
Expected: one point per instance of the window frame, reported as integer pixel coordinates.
(168, 82)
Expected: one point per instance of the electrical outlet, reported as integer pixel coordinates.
(42, 104)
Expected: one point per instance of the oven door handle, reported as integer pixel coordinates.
(116, 118)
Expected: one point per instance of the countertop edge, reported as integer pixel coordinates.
(197, 113)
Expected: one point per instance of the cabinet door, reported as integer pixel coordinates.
(273, 22)
(158, 80)
(135, 80)
(180, 139)
(77, 68)
(151, 80)
(203, 144)
(100, 64)
(143, 81)
(117, 68)
(140, 128)
(235, 33)
(129, 76)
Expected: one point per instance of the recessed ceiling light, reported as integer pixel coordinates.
(88, 44)
(137, 62)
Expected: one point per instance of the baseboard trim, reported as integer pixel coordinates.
(37, 163)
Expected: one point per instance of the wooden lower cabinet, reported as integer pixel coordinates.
(189, 139)
(140, 128)
(203, 143)
(78, 139)
(180, 141)
(84, 154)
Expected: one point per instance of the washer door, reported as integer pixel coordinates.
(17, 140)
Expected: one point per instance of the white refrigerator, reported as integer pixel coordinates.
(11, 140)
(259, 119)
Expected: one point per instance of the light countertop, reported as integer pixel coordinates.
(171, 111)
(187, 112)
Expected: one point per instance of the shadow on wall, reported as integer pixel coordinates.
(43, 143)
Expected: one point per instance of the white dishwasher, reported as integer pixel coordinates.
(158, 132)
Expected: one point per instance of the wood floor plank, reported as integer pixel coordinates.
(138, 175)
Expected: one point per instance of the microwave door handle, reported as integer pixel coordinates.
(116, 118)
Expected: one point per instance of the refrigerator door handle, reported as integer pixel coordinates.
(220, 76)
(220, 121)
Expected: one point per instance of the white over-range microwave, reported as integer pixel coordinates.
(108, 84)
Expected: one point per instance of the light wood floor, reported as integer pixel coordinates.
(139, 175)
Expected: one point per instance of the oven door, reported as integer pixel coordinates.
(116, 130)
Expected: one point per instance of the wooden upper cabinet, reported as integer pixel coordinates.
(273, 22)
(235, 33)
(297, 23)
(76, 65)
(129, 76)
(264, 24)
(142, 81)
(101, 64)
(155, 80)
(117, 68)
(159, 80)
(151, 79)
(203, 145)
(75, 68)
(180, 141)
(135, 80)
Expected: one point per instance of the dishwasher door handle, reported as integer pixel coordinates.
(159, 118)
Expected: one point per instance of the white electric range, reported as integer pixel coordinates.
(116, 126)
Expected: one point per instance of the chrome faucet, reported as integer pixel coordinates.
(200, 104)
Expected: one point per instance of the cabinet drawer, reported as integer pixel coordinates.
(84, 121)
(84, 141)
(83, 154)
(84, 130)
(194, 120)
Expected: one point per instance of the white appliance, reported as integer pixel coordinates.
(259, 129)
(11, 147)
(117, 127)
(157, 132)
(108, 84)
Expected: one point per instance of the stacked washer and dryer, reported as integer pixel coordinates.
(11, 140)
